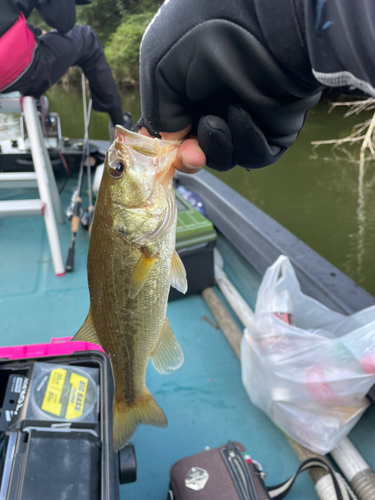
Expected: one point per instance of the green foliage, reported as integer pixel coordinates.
(120, 25)
(122, 49)
(104, 16)
(37, 21)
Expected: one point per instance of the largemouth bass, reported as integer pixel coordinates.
(131, 264)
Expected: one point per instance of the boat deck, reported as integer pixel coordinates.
(204, 401)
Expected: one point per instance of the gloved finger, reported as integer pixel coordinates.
(175, 136)
(215, 139)
(252, 149)
(167, 136)
(143, 131)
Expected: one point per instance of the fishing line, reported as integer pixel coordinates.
(66, 167)
(62, 158)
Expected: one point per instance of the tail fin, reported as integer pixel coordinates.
(144, 410)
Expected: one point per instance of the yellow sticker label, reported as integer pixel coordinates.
(77, 396)
(52, 396)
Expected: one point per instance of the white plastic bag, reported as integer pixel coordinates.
(310, 377)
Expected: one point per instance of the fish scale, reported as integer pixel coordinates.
(131, 264)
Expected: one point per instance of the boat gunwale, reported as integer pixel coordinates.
(248, 228)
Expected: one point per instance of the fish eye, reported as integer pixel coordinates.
(117, 169)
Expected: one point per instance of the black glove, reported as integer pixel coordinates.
(37, 32)
(210, 63)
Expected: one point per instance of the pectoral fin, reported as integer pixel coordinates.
(167, 355)
(87, 332)
(141, 271)
(178, 274)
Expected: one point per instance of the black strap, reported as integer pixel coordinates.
(278, 492)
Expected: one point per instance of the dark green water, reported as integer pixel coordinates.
(70, 108)
(316, 195)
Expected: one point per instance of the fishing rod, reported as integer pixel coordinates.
(87, 115)
(87, 216)
(90, 209)
(77, 206)
(41, 105)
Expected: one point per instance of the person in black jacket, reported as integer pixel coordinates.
(241, 74)
(55, 52)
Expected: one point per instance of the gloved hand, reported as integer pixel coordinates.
(207, 63)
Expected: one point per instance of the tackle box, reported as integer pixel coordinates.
(195, 243)
(56, 426)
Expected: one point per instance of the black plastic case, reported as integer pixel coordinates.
(199, 264)
(45, 464)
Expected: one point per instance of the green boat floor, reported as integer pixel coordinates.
(204, 400)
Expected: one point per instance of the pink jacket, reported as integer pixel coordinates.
(17, 47)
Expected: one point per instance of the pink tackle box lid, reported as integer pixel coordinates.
(57, 347)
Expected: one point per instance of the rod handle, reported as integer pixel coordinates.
(76, 215)
(90, 216)
(75, 224)
(70, 261)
